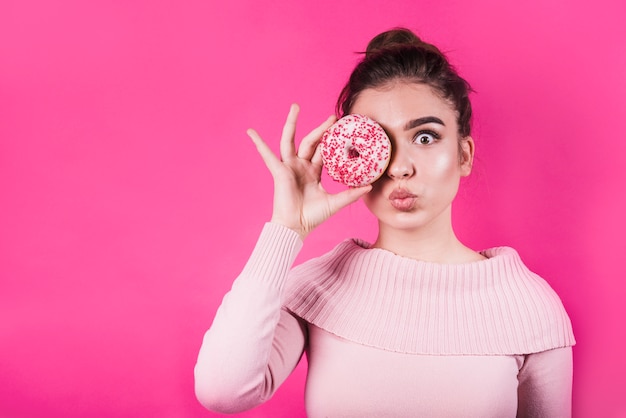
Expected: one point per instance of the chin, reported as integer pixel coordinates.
(404, 220)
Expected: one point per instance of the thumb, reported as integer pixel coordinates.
(346, 197)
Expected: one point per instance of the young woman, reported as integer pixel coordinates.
(415, 324)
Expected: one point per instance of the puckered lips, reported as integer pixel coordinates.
(402, 199)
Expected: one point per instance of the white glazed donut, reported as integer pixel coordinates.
(355, 150)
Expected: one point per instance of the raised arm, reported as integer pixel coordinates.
(253, 345)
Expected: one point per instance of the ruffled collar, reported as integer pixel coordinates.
(376, 298)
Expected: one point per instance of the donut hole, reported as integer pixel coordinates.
(353, 153)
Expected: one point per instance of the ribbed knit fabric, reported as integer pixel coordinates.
(376, 326)
(376, 298)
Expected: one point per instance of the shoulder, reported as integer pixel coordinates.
(530, 300)
(315, 285)
(506, 265)
(341, 255)
(335, 262)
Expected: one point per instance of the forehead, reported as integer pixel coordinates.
(393, 105)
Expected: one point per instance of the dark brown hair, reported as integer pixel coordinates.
(399, 54)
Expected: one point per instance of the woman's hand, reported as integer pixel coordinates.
(300, 201)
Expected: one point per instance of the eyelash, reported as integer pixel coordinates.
(435, 136)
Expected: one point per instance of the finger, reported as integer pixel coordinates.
(287, 145)
(270, 160)
(346, 197)
(309, 142)
(317, 156)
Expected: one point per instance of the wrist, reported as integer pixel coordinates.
(296, 229)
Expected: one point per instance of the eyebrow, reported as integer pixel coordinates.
(422, 121)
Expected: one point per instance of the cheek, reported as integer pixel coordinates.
(444, 165)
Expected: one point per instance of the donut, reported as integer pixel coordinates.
(355, 150)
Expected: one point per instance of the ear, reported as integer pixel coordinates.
(466, 155)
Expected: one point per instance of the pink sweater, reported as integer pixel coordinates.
(388, 336)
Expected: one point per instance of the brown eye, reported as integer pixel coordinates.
(425, 138)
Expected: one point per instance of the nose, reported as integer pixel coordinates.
(400, 166)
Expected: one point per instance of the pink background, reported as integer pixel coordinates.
(131, 197)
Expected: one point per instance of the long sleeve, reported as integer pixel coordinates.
(252, 345)
(545, 385)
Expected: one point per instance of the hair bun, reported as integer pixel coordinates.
(400, 55)
(397, 38)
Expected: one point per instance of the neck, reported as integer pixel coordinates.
(435, 242)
